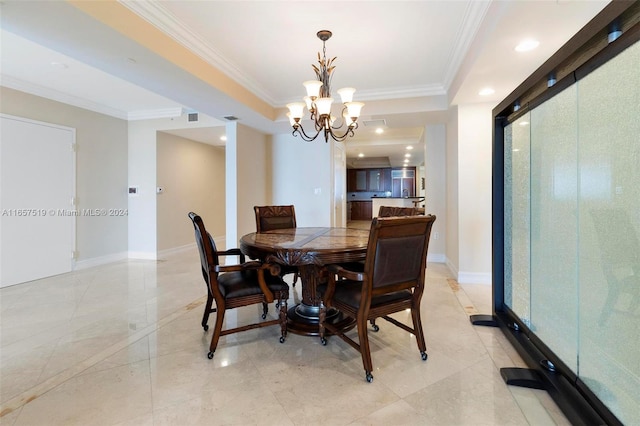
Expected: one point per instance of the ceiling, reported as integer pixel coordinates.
(409, 60)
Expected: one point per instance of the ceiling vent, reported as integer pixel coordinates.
(375, 123)
(230, 118)
(193, 116)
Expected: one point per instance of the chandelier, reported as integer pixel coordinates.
(318, 101)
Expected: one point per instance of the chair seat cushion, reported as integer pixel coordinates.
(350, 293)
(245, 283)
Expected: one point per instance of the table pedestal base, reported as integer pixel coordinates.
(304, 319)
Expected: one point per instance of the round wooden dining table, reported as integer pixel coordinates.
(309, 249)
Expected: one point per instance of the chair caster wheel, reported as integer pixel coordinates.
(264, 316)
(210, 355)
(369, 377)
(277, 305)
(323, 341)
(424, 356)
(206, 327)
(376, 328)
(281, 339)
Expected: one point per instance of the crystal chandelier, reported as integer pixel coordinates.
(319, 100)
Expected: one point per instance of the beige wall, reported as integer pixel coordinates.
(254, 177)
(474, 193)
(435, 189)
(101, 169)
(192, 177)
(452, 256)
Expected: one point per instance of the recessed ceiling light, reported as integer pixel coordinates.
(527, 44)
(407, 155)
(223, 138)
(486, 91)
(379, 130)
(406, 160)
(409, 147)
(524, 123)
(361, 155)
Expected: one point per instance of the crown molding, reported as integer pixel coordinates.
(155, 113)
(65, 98)
(474, 15)
(166, 22)
(45, 92)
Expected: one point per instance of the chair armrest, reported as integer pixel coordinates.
(233, 252)
(273, 268)
(260, 268)
(337, 270)
(345, 273)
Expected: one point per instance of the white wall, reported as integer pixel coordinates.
(101, 170)
(435, 189)
(142, 174)
(300, 169)
(192, 176)
(474, 193)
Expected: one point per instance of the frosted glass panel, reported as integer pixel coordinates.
(517, 219)
(609, 218)
(554, 239)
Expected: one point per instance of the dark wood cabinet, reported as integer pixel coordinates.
(361, 210)
(374, 179)
(357, 180)
(386, 179)
(369, 180)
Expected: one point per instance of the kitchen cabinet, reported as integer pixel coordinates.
(374, 179)
(361, 210)
(369, 180)
(357, 180)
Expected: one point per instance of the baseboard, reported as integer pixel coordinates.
(436, 258)
(474, 278)
(174, 250)
(452, 268)
(142, 255)
(98, 261)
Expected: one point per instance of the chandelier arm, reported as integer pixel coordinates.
(340, 138)
(300, 131)
(342, 119)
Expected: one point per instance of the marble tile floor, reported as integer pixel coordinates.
(121, 344)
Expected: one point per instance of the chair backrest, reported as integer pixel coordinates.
(206, 247)
(392, 211)
(397, 254)
(274, 217)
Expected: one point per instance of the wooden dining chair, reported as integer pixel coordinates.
(234, 286)
(269, 218)
(392, 281)
(392, 211)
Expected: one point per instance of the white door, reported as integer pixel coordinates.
(37, 186)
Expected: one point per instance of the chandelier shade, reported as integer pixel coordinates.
(319, 102)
